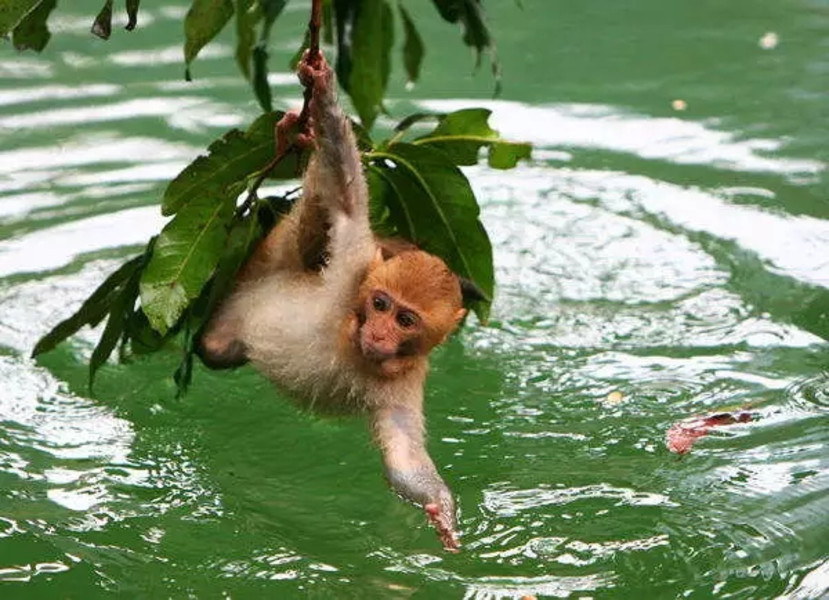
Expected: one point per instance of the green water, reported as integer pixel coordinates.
(680, 257)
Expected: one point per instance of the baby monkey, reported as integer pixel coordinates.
(342, 321)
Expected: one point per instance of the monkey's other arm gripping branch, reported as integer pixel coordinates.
(292, 135)
(292, 132)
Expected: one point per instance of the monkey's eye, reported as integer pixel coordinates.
(406, 319)
(381, 303)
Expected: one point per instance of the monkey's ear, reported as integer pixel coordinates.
(471, 292)
(460, 315)
(391, 247)
(378, 259)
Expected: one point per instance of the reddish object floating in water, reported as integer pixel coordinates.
(681, 436)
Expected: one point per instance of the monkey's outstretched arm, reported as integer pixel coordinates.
(411, 472)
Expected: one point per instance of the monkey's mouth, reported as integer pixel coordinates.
(375, 353)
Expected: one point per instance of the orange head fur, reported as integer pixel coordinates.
(406, 306)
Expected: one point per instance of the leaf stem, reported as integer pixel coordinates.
(395, 138)
(263, 174)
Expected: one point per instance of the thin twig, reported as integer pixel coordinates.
(252, 195)
(314, 28)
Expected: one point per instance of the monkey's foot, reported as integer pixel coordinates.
(443, 526)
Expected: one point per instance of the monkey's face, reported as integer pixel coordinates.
(406, 306)
(390, 333)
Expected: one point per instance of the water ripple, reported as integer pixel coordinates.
(509, 503)
(672, 139)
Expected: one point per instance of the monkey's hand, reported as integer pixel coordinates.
(288, 132)
(425, 487)
(443, 520)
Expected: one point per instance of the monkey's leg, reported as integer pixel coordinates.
(334, 205)
(297, 243)
(411, 472)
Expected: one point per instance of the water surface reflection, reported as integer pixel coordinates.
(672, 262)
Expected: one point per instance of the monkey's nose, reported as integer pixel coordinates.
(379, 350)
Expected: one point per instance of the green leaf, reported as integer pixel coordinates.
(243, 236)
(505, 155)
(92, 310)
(183, 375)
(345, 13)
(406, 123)
(306, 43)
(470, 15)
(261, 87)
(231, 159)
(364, 141)
(122, 306)
(327, 23)
(412, 46)
(102, 25)
(431, 202)
(271, 9)
(463, 133)
(204, 20)
(142, 337)
(380, 193)
(185, 254)
(387, 210)
(12, 12)
(247, 16)
(32, 33)
(372, 38)
(132, 14)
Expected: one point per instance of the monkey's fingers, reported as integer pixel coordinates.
(286, 130)
(443, 526)
(305, 140)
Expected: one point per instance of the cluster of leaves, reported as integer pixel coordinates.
(26, 21)
(417, 192)
(364, 39)
(364, 36)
